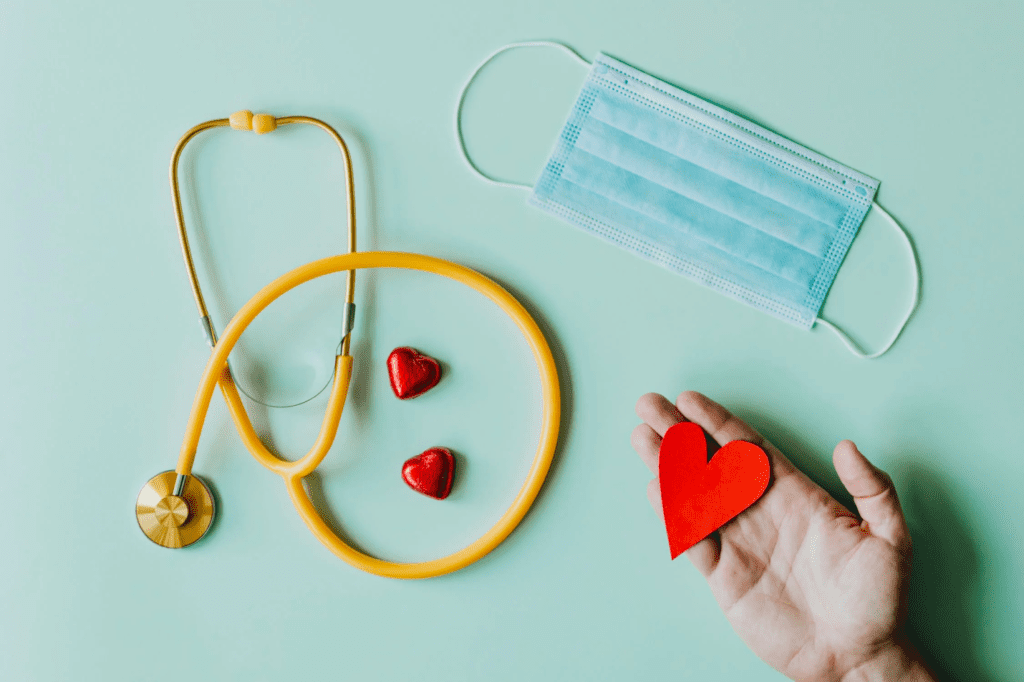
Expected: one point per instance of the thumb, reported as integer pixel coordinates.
(874, 495)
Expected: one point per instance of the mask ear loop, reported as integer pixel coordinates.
(462, 98)
(847, 341)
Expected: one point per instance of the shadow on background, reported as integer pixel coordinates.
(565, 387)
(945, 594)
(318, 496)
(945, 591)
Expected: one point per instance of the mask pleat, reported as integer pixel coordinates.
(691, 218)
(674, 249)
(714, 191)
(685, 139)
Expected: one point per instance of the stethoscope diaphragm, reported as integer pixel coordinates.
(174, 518)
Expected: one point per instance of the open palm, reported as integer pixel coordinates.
(813, 590)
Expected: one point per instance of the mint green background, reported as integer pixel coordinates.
(100, 352)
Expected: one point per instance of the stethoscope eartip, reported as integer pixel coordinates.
(174, 511)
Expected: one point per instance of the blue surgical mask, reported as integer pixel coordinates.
(703, 192)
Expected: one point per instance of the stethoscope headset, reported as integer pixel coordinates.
(175, 508)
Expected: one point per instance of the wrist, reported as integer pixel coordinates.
(897, 662)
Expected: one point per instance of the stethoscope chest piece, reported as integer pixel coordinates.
(173, 517)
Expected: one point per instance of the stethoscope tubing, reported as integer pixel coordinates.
(292, 472)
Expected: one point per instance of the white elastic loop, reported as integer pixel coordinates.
(847, 341)
(462, 98)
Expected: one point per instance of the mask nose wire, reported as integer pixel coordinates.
(462, 98)
(847, 341)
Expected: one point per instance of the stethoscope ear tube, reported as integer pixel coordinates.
(261, 124)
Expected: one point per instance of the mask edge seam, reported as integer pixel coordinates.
(848, 233)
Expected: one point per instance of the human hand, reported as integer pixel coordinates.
(814, 591)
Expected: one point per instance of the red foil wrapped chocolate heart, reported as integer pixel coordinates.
(430, 472)
(412, 373)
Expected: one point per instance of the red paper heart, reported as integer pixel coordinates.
(412, 373)
(697, 496)
(430, 472)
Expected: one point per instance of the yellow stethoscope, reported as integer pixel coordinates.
(175, 508)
